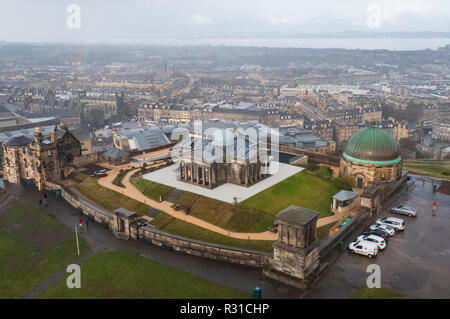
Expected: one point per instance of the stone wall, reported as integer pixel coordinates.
(331, 242)
(159, 238)
(228, 254)
(97, 214)
(313, 156)
(82, 160)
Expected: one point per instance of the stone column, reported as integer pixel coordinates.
(246, 174)
(214, 172)
(210, 176)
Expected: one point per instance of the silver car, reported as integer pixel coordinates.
(404, 210)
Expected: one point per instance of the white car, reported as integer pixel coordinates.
(396, 223)
(374, 239)
(362, 247)
(386, 228)
(404, 210)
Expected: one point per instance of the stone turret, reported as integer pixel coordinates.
(38, 138)
(53, 135)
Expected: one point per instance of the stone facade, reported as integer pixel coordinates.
(40, 160)
(368, 174)
(216, 174)
(296, 252)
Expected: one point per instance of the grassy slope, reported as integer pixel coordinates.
(178, 227)
(376, 293)
(33, 246)
(108, 198)
(127, 275)
(225, 215)
(151, 189)
(302, 189)
(440, 169)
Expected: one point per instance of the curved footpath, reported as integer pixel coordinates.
(131, 191)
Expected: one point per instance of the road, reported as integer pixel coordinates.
(415, 262)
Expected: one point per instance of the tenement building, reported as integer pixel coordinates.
(370, 157)
(40, 159)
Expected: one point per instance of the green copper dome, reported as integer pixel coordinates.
(372, 146)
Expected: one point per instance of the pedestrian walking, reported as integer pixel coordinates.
(40, 202)
(80, 225)
(87, 224)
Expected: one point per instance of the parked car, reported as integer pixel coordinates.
(396, 223)
(377, 232)
(375, 239)
(362, 247)
(404, 210)
(383, 227)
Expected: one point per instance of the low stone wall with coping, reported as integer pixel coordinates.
(222, 253)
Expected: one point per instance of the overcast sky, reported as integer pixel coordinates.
(140, 20)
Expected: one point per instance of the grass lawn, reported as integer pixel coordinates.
(181, 228)
(107, 198)
(128, 275)
(119, 177)
(302, 189)
(440, 169)
(225, 215)
(151, 189)
(376, 293)
(33, 246)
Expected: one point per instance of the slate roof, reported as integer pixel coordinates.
(294, 215)
(344, 195)
(20, 140)
(115, 153)
(144, 139)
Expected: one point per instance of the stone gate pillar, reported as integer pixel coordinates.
(296, 254)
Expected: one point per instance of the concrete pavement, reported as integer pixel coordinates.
(415, 262)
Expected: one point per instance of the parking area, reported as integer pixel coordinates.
(415, 262)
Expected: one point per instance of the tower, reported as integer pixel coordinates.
(296, 252)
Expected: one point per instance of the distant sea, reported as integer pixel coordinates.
(319, 43)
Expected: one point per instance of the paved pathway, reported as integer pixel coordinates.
(131, 191)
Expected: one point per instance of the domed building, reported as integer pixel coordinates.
(371, 156)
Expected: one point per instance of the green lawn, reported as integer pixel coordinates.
(376, 293)
(181, 228)
(108, 198)
(33, 246)
(303, 189)
(231, 217)
(151, 189)
(440, 169)
(119, 177)
(128, 275)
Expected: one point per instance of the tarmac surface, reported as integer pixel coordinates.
(416, 261)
